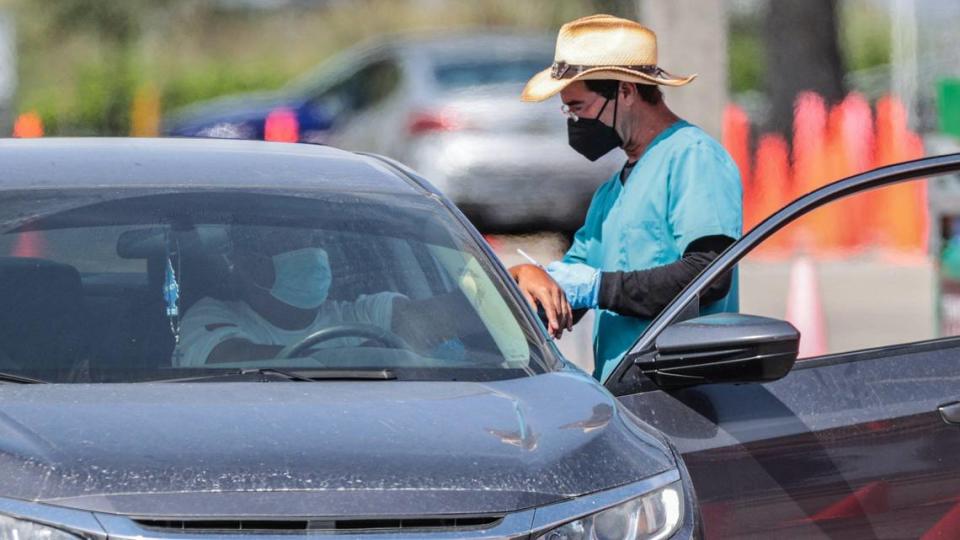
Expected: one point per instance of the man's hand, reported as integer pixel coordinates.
(540, 289)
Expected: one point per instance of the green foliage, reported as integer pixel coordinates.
(745, 53)
(218, 80)
(115, 22)
(82, 61)
(746, 62)
(865, 35)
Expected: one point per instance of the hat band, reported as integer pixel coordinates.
(563, 70)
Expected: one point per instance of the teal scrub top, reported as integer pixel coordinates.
(685, 186)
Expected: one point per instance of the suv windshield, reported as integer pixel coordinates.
(146, 284)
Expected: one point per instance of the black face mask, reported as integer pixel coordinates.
(591, 137)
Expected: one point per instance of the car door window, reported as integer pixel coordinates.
(876, 268)
(377, 82)
(361, 90)
(859, 273)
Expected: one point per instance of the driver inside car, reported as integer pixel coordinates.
(280, 283)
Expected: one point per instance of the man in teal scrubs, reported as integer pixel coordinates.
(654, 225)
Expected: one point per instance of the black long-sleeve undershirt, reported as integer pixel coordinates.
(644, 293)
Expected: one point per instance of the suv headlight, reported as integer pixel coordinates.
(653, 516)
(18, 529)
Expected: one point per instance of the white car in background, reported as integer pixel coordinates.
(449, 106)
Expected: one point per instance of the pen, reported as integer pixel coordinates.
(528, 257)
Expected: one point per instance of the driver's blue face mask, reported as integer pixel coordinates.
(301, 277)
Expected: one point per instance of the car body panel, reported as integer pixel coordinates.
(351, 448)
(172, 163)
(853, 443)
(848, 444)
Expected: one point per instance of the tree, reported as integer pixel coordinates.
(802, 53)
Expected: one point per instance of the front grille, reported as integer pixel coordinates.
(262, 525)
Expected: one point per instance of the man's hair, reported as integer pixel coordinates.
(608, 89)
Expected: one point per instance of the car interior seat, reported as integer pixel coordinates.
(41, 318)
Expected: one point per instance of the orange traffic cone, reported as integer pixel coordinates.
(858, 132)
(902, 218)
(771, 190)
(28, 125)
(855, 137)
(810, 166)
(281, 125)
(947, 527)
(145, 112)
(736, 139)
(838, 218)
(804, 309)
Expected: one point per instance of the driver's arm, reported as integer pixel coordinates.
(212, 333)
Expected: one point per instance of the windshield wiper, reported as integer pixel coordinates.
(10, 377)
(274, 371)
(304, 375)
(347, 374)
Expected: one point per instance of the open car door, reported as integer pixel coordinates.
(858, 441)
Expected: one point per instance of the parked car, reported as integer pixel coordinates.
(471, 426)
(448, 106)
(113, 426)
(245, 117)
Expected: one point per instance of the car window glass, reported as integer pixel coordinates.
(481, 72)
(489, 304)
(87, 290)
(878, 268)
(378, 81)
(91, 250)
(363, 89)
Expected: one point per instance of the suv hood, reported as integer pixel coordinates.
(326, 448)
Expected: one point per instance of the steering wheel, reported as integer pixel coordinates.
(367, 331)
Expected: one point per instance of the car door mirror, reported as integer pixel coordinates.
(723, 348)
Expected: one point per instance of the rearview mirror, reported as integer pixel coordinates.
(152, 242)
(723, 348)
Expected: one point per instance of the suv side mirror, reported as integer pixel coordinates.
(723, 348)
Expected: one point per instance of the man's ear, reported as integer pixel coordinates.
(628, 93)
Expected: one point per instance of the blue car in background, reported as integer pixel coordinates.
(245, 117)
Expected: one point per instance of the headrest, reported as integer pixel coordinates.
(33, 282)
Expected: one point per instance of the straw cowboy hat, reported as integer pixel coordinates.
(601, 47)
